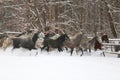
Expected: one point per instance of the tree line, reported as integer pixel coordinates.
(89, 16)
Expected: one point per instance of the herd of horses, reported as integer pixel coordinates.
(34, 40)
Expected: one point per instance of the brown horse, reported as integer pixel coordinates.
(78, 41)
(3, 36)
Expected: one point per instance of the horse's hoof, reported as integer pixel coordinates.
(81, 55)
(36, 54)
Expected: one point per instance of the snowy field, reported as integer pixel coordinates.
(22, 64)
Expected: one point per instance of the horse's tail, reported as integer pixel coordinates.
(7, 42)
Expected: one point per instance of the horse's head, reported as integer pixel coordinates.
(63, 37)
(35, 37)
(3, 36)
(48, 35)
(41, 35)
(104, 38)
(66, 37)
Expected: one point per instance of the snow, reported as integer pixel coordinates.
(22, 64)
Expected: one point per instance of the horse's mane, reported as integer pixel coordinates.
(55, 36)
(77, 38)
(95, 42)
(76, 35)
(62, 37)
(35, 37)
(92, 41)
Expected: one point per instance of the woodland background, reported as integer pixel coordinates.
(71, 16)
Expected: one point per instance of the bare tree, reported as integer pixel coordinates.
(109, 14)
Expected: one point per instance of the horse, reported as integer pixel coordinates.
(105, 38)
(25, 43)
(78, 41)
(16, 38)
(39, 42)
(99, 45)
(95, 44)
(57, 43)
(117, 48)
(2, 38)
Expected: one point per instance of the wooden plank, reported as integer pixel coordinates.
(110, 39)
(117, 39)
(111, 52)
(12, 32)
(111, 44)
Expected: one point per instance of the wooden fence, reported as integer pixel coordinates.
(113, 42)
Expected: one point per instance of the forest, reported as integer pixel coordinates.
(70, 16)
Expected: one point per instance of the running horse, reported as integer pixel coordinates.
(96, 44)
(77, 42)
(57, 43)
(105, 38)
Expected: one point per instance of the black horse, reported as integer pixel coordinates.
(25, 43)
(57, 43)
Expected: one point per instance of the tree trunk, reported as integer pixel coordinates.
(110, 20)
(114, 32)
(38, 17)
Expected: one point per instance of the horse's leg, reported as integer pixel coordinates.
(82, 51)
(72, 51)
(89, 49)
(43, 47)
(60, 49)
(36, 53)
(103, 54)
(66, 48)
(77, 50)
(47, 49)
(4, 48)
(12, 49)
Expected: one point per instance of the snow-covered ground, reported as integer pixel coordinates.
(22, 64)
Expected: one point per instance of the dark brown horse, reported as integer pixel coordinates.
(105, 38)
